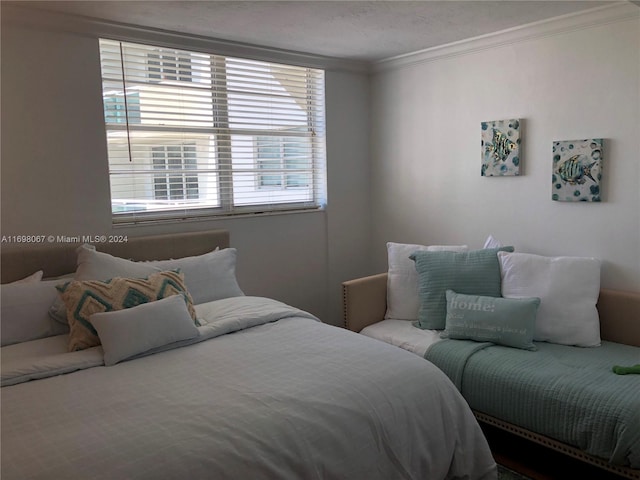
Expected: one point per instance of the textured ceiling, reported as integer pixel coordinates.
(355, 30)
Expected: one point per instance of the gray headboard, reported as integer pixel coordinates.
(57, 259)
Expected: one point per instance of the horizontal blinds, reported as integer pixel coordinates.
(193, 134)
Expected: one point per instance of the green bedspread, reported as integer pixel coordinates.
(566, 393)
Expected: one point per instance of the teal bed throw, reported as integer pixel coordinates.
(567, 393)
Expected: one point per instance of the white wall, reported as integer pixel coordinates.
(580, 83)
(348, 182)
(54, 171)
(423, 182)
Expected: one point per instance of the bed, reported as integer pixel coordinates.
(262, 390)
(563, 397)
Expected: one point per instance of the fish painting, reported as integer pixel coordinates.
(577, 170)
(500, 143)
(501, 147)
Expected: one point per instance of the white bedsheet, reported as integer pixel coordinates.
(402, 333)
(257, 398)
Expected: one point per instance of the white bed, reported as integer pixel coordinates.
(402, 333)
(264, 390)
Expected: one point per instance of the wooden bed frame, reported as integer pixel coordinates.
(365, 303)
(56, 259)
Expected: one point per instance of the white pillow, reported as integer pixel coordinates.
(95, 265)
(34, 277)
(568, 288)
(402, 280)
(208, 277)
(492, 242)
(132, 331)
(24, 312)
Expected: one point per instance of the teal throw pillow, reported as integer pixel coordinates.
(505, 321)
(472, 273)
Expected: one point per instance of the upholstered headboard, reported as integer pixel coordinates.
(57, 259)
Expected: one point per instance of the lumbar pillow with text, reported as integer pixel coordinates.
(472, 273)
(505, 321)
(402, 279)
(85, 298)
(568, 288)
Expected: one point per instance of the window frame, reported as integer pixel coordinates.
(223, 132)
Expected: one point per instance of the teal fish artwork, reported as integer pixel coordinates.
(577, 170)
(500, 144)
(501, 147)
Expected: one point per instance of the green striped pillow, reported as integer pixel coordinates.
(472, 273)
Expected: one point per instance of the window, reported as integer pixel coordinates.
(192, 134)
(178, 179)
(282, 160)
(117, 108)
(167, 64)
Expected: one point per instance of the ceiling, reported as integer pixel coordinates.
(350, 30)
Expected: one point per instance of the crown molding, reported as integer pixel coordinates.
(96, 28)
(615, 12)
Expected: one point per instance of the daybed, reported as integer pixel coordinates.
(509, 403)
(259, 390)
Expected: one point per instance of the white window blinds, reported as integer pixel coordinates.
(192, 134)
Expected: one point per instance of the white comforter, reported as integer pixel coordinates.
(267, 392)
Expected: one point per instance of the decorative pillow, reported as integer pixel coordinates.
(94, 265)
(25, 312)
(505, 321)
(208, 277)
(472, 273)
(402, 279)
(568, 288)
(84, 298)
(34, 277)
(125, 333)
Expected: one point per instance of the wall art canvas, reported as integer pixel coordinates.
(501, 148)
(577, 170)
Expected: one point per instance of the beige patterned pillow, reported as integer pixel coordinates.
(84, 298)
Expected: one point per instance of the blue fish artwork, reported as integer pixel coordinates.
(577, 170)
(500, 148)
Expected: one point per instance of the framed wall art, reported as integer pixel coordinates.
(577, 170)
(500, 144)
